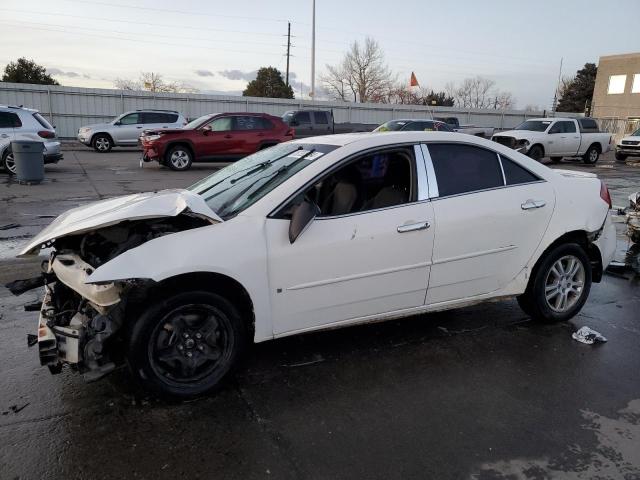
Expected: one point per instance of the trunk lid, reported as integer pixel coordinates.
(164, 203)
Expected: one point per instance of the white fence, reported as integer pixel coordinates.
(69, 108)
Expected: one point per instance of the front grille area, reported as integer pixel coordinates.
(506, 141)
(630, 142)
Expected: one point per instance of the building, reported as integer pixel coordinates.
(616, 96)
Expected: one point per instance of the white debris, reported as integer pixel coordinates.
(588, 336)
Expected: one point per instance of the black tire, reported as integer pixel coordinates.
(179, 158)
(185, 344)
(534, 300)
(591, 155)
(536, 153)
(102, 143)
(8, 163)
(621, 157)
(556, 159)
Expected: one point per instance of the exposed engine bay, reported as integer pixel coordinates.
(80, 323)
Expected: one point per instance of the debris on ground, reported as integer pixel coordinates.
(633, 217)
(9, 226)
(15, 409)
(588, 336)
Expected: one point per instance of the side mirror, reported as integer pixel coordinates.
(118, 123)
(301, 217)
(206, 129)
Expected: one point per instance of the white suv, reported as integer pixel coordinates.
(18, 123)
(125, 130)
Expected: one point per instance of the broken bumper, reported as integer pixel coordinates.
(606, 242)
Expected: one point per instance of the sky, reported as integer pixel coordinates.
(216, 46)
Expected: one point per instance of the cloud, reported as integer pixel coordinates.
(239, 75)
(62, 73)
(204, 73)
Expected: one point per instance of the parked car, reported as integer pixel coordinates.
(629, 146)
(214, 137)
(414, 125)
(557, 138)
(310, 123)
(125, 130)
(454, 123)
(309, 235)
(19, 123)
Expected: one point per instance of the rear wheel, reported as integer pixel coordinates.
(592, 155)
(556, 159)
(8, 162)
(621, 157)
(559, 286)
(536, 152)
(102, 143)
(179, 158)
(186, 344)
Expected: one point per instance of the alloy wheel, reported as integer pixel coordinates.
(179, 159)
(593, 155)
(564, 283)
(10, 163)
(102, 144)
(190, 343)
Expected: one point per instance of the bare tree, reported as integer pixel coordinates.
(362, 75)
(479, 92)
(153, 82)
(503, 101)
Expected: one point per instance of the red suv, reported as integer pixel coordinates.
(214, 137)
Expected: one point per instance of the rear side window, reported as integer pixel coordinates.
(9, 120)
(588, 124)
(159, 117)
(42, 121)
(514, 174)
(303, 117)
(464, 168)
(443, 127)
(252, 123)
(321, 118)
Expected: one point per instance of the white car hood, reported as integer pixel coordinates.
(520, 134)
(631, 138)
(164, 203)
(574, 173)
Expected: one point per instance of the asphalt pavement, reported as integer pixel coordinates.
(480, 392)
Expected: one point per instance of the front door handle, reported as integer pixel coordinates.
(228, 136)
(533, 204)
(412, 227)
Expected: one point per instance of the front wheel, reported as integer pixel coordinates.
(9, 163)
(556, 159)
(102, 143)
(592, 155)
(536, 153)
(179, 158)
(186, 344)
(559, 286)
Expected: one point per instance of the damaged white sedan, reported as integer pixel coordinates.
(312, 234)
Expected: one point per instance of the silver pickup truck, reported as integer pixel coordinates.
(557, 138)
(454, 123)
(311, 123)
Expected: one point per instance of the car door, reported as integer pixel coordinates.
(321, 124)
(156, 120)
(367, 252)
(303, 125)
(7, 122)
(127, 130)
(218, 139)
(490, 216)
(570, 137)
(251, 131)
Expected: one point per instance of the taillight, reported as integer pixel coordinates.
(46, 134)
(604, 194)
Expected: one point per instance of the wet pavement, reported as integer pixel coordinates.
(480, 392)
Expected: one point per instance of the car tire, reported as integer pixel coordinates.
(621, 157)
(591, 156)
(185, 344)
(556, 159)
(559, 285)
(8, 162)
(536, 153)
(179, 158)
(102, 143)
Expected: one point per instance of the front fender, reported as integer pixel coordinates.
(236, 248)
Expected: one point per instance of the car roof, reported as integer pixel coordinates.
(377, 139)
(18, 107)
(415, 120)
(550, 119)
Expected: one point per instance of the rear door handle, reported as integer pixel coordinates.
(533, 204)
(138, 127)
(412, 227)
(228, 136)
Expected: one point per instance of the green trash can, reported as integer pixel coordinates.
(29, 158)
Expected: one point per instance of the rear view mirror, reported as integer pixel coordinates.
(301, 217)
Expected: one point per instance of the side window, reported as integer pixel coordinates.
(152, 117)
(376, 180)
(514, 174)
(464, 168)
(419, 127)
(443, 127)
(556, 128)
(588, 124)
(131, 119)
(303, 117)
(223, 124)
(569, 127)
(251, 123)
(320, 118)
(169, 118)
(9, 120)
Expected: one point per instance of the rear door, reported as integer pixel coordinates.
(252, 131)
(321, 123)
(490, 216)
(8, 120)
(303, 124)
(129, 129)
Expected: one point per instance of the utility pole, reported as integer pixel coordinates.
(555, 95)
(313, 50)
(288, 49)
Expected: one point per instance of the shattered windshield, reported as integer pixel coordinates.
(534, 125)
(234, 188)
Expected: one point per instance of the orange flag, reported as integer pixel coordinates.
(414, 81)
